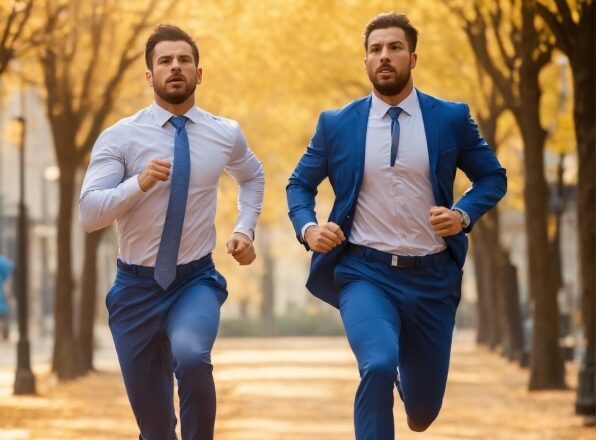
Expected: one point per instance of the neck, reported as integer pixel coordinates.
(394, 100)
(176, 109)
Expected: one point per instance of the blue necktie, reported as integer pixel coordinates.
(394, 114)
(167, 255)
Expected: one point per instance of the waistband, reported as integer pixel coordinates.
(393, 260)
(181, 270)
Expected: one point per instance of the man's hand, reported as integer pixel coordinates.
(445, 221)
(241, 248)
(323, 238)
(156, 170)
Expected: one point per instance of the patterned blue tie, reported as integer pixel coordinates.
(394, 114)
(167, 255)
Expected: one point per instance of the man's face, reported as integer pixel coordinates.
(388, 60)
(174, 76)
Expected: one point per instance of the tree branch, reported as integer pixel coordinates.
(8, 41)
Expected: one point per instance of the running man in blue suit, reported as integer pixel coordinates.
(390, 256)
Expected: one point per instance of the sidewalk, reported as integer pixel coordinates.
(296, 389)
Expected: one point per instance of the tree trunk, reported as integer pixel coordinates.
(546, 362)
(487, 288)
(557, 207)
(267, 285)
(88, 302)
(500, 300)
(484, 331)
(584, 110)
(64, 347)
(514, 315)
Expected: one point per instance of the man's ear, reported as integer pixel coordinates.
(413, 59)
(199, 75)
(149, 77)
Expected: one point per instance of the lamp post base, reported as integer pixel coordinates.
(24, 381)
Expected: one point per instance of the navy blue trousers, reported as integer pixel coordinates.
(159, 334)
(399, 323)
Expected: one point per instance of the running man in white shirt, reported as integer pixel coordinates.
(156, 173)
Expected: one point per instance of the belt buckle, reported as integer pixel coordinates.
(394, 261)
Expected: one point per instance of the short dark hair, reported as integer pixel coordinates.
(392, 19)
(168, 32)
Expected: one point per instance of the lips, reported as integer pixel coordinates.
(385, 69)
(176, 79)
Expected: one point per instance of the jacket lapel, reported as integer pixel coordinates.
(431, 128)
(360, 121)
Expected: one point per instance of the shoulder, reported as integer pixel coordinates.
(222, 125)
(125, 126)
(443, 105)
(348, 110)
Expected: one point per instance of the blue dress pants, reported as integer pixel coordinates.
(159, 334)
(399, 323)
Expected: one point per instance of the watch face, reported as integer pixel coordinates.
(465, 220)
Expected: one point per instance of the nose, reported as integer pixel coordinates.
(384, 53)
(175, 64)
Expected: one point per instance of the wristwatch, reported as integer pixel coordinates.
(465, 218)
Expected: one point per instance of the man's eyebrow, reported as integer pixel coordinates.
(380, 43)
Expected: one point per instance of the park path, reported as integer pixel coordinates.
(298, 389)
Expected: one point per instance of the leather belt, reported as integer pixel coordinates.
(399, 260)
(195, 266)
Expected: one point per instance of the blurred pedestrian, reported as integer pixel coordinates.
(6, 268)
(391, 255)
(157, 174)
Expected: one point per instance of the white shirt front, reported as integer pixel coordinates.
(392, 211)
(111, 190)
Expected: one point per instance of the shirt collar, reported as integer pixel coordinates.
(162, 116)
(408, 105)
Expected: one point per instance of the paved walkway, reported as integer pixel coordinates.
(295, 389)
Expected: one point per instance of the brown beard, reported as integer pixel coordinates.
(392, 88)
(176, 97)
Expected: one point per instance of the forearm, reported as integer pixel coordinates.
(99, 207)
(301, 205)
(250, 203)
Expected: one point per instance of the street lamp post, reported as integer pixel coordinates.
(24, 379)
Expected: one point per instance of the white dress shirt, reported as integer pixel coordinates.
(392, 211)
(111, 189)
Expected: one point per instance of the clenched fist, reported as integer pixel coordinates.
(241, 248)
(323, 238)
(445, 221)
(156, 170)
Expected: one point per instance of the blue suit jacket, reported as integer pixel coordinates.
(336, 151)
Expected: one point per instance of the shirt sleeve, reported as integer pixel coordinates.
(105, 195)
(247, 171)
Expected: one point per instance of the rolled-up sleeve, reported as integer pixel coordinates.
(247, 171)
(105, 195)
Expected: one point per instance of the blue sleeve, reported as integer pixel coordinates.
(304, 181)
(480, 164)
